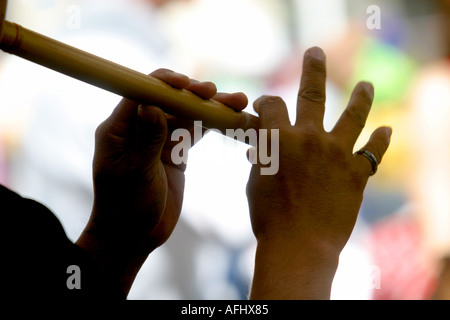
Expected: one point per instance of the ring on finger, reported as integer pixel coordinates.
(372, 159)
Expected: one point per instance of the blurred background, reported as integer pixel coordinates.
(47, 124)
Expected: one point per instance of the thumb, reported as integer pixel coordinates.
(151, 130)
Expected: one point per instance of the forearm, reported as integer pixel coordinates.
(293, 273)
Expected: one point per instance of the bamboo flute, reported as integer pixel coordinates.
(118, 79)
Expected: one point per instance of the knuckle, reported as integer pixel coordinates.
(266, 102)
(337, 152)
(313, 94)
(316, 66)
(99, 130)
(355, 117)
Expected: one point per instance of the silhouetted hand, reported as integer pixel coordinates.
(304, 214)
(138, 190)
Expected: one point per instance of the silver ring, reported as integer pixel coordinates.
(373, 160)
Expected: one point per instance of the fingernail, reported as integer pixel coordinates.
(317, 53)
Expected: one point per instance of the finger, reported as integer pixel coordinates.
(123, 117)
(353, 119)
(252, 155)
(205, 90)
(377, 145)
(311, 96)
(177, 80)
(151, 131)
(237, 101)
(272, 112)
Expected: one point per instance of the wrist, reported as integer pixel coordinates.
(285, 269)
(120, 258)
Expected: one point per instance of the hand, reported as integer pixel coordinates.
(303, 215)
(138, 190)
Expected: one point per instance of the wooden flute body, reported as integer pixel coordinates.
(123, 81)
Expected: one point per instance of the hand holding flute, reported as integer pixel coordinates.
(136, 184)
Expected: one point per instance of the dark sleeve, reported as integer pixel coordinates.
(40, 261)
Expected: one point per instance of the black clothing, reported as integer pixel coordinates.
(38, 255)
